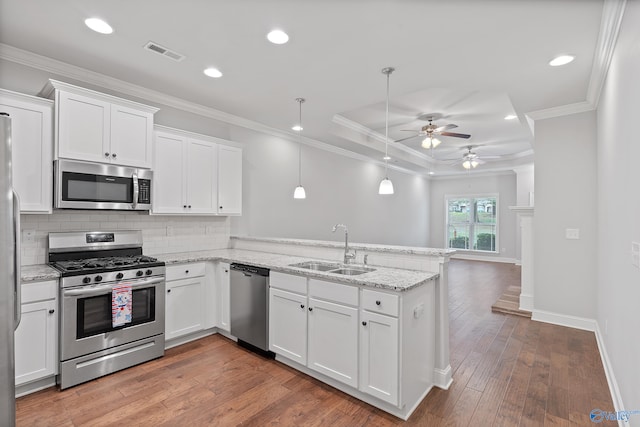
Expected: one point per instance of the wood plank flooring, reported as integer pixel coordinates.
(509, 302)
(508, 371)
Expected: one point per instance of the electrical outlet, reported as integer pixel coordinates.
(28, 236)
(572, 233)
(635, 254)
(170, 230)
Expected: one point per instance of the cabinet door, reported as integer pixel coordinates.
(36, 342)
(83, 128)
(379, 349)
(224, 296)
(201, 172)
(184, 307)
(229, 180)
(32, 147)
(333, 340)
(131, 137)
(169, 185)
(288, 325)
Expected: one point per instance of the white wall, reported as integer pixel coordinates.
(618, 283)
(504, 185)
(565, 182)
(339, 189)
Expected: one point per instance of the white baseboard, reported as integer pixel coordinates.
(526, 302)
(442, 378)
(608, 370)
(473, 257)
(564, 320)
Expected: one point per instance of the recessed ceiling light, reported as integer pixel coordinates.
(510, 117)
(386, 158)
(98, 25)
(561, 60)
(278, 37)
(213, 72)
(297, 128)
(431, 172)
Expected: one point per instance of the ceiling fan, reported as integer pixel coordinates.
(470, 159)
(430, 130)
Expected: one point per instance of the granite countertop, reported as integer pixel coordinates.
(38, 273)
(383, 277)
(414, 250)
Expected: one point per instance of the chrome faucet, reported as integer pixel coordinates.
(348, 256)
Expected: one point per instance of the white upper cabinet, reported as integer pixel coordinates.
(97, 127)
(229, 180)
(32, 148)
(194, 175)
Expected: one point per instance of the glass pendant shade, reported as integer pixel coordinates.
(466, 164)
(299, 193)
(386, 187)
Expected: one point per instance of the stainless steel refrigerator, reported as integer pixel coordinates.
(9, 275)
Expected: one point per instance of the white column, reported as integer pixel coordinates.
(442, 372)
(525, 214)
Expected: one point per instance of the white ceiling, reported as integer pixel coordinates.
(468, 62)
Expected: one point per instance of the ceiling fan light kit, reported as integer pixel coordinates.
(386, 186)
(430, 142)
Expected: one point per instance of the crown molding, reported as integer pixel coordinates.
(59, 68)
(612, 13)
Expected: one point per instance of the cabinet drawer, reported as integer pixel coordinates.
(184, 271)
(288, 282)
(336, 292)
(39, 291)
(380, 302)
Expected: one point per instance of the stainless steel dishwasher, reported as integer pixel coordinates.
(250, 306)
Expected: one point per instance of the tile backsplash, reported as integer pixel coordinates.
(160, 234)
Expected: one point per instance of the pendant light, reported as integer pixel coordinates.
(299, 192)
(386, 186)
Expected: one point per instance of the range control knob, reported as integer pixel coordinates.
(98, 278)
(119, 276)
(86, 280)
(139, 273)
(148, 272)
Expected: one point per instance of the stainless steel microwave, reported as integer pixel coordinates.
(86, 185)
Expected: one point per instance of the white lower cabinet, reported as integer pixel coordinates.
(36, 339)
(379, 345)
(333, 340)
(288, 325)
(224, 296)
(184, 300)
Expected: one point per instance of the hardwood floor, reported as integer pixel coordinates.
(508, 370)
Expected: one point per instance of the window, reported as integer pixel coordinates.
(472, 223)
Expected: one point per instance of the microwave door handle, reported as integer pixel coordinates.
(17, 236)
(107, 288)
(136, 190)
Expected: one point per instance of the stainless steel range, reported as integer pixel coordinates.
(111, 300)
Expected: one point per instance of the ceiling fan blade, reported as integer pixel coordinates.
(407, 130)
(457, 135)
(409, 137)
(445, 127)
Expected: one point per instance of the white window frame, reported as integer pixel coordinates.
(447, 197)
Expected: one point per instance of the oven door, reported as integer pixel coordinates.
(86, 321)
(82, 185)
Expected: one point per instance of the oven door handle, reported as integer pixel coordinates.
(82, 292)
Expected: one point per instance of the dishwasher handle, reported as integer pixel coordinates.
(249, 270)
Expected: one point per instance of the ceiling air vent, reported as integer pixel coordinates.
(161, 50)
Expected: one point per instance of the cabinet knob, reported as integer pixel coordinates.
(186, 272)
(52, 311)
(226, 271)
(301, 305)
(184, 206)
(220, 207)
(364, 323)
(168, 291)
(106, 154)
(377, 302)
(189, 206)
(114, 155)
(310, 308)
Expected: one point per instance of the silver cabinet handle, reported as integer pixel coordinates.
(17, 259)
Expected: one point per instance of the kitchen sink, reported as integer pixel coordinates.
(317, 266)
(333, 268)
(352, 271)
